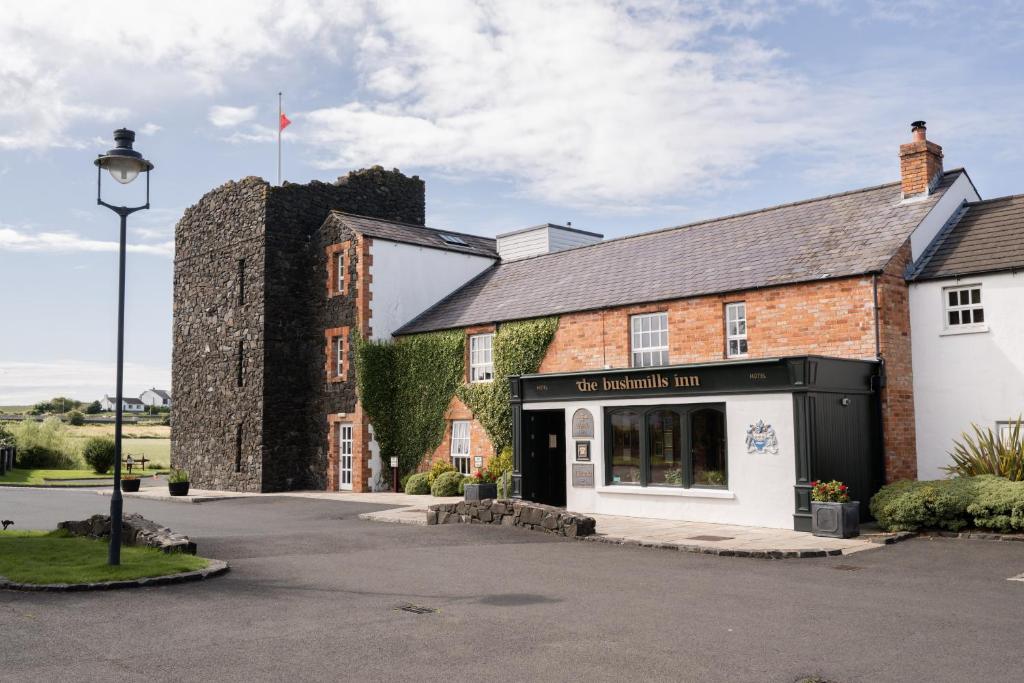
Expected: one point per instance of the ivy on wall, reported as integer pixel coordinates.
(518, 349)
(405, 387)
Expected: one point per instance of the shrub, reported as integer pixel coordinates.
(416, 485)
(984, 452)
(462, 484)
(6, 437)
(437, 469)
(177, 476)
(44, 445)
(93, 408)
(502, 465)
(984, 502)
(99, 454)
(76, 418)
(446, 484)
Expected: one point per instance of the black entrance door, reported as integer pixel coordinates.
(544, 456)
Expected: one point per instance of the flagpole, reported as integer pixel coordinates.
(279, 112)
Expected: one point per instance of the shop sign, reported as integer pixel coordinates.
(583, 476)
(582, 424)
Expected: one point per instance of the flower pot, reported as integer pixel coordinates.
(835, 520)
(130, 485)
(475, 492)
(178, 488)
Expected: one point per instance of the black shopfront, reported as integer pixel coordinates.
(835, 411)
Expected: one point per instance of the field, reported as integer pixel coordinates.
(151, 441)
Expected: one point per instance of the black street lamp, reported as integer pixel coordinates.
(124, 165)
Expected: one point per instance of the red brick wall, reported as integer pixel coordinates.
(479, 442)
(920, 162)
(898, 395)
(831, 318)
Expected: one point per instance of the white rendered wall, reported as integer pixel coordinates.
(408, 280)
(961, 378)
(760, 490)
(925, 232)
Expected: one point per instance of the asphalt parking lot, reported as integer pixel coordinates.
(313, 592)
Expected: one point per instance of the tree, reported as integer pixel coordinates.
(99, 453)
(93, 408)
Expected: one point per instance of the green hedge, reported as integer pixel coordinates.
(417, 485)
(446, 484)
(983, 502)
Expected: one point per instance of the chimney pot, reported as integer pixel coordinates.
(918, 129)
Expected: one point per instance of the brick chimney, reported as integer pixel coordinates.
(920, 163)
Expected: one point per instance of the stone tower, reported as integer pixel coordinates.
(248, 345)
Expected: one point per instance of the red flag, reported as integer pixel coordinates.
(285, 122)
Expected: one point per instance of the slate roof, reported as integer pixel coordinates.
(987, 236)
(829, 237)
(161, 393)
(418, 235)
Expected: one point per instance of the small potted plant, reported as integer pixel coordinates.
(177, 482)
(483, 486)
(833, 514)
(130, 483)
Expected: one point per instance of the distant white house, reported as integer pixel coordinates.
(128, 405)
(965, 309)
(156, 397)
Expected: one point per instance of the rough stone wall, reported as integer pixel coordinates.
(513, 513)
(210, 321)
(279, 411)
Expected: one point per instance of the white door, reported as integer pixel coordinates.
(345, 457)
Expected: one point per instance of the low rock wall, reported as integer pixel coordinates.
(135, 530)
(513, 513)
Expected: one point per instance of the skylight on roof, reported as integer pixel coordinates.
(453, 239)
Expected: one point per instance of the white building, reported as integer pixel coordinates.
(967, 322)
(128, 405)
(160, 398)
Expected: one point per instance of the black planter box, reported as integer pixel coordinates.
(130, 485)
(178, 488)
(475, 492)
(835, 520)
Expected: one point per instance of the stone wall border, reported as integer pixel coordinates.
(507, 512)
(136, 530)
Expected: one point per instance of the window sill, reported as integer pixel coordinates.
(665, 491)
(972, 329)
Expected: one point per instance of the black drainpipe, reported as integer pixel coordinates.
(878, 382)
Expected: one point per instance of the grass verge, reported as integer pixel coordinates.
(21, 477)
(55, 557)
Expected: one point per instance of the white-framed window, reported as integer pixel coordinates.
(963, 307)
(649, 339)
(481, 358)
(339, 355)
(736, 329)
(460, 446)
(1006, 430)
(339, 273)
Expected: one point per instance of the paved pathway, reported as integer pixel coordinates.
(715, 538)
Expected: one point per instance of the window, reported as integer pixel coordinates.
(241, 363)
(344, 456)
(963, 307)
(238, 448)
(736, 329)
(670, 446)
(481, 363)
(452, 239)
(339, 272)
(650, 339)
(339, 356)
(241, 282)
(460, 445)
(1010, 432)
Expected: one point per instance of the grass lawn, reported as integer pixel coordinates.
(37, 477)
(55, 557)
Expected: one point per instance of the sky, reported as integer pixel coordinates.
(618, 116)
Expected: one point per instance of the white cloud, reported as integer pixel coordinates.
(12, 239)
(150, 129)
(27, 383)
(224, 116)
(64, 62)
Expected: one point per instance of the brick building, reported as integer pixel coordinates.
(736, 341)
